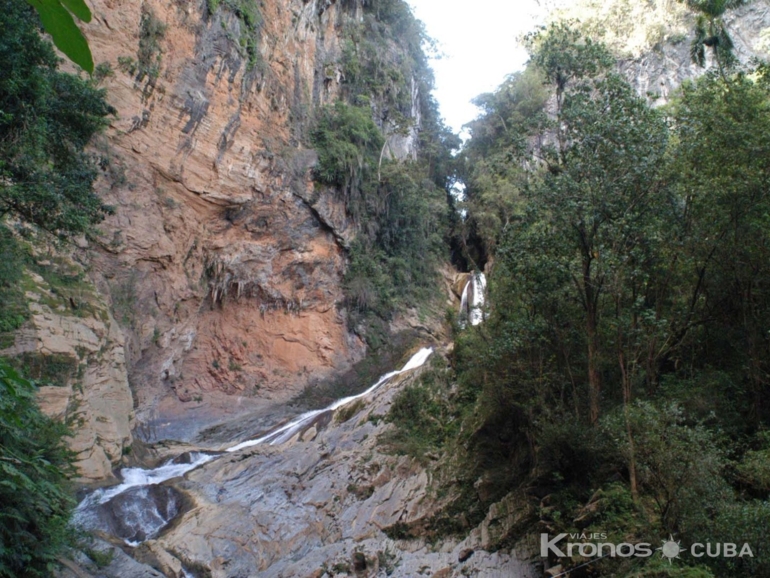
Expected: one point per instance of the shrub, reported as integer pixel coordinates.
(13, 308)
(152, 31)
(35, 501)
(348, 144)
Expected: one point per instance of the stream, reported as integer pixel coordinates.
(141, 506)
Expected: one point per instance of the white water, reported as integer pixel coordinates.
(133, 477)
(476, 314)
(464, 298)
(287, 431)
(476, 287)
(137, 477)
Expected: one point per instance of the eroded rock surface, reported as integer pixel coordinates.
(72, 341)
(327, 499)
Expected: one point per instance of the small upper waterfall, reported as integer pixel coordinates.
(473, 299)
(140, 508)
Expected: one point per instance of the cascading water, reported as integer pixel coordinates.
(140, 508)
(286, 432)
(472, 300)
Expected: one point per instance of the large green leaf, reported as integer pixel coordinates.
(79, 9)
(67, 37)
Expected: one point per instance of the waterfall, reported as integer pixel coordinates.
(464, 298)
(473, 299)
(140, 508)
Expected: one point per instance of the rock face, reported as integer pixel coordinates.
(328, 501)
(222, 262)
(661, 71)
(73, 342)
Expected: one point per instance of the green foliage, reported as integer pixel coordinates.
(348, 144)
(250, 19)
(102, 559)
(35, 502)
(151, 32)
(622, 373)
(627, 27)
(563, 54)
(711, 31)
(103, 70)
(423, 415)
(13, 307)
(683, 484)
(392, 263)
(48, 369)
(382, 55)
(348, 411)
(754, 467)
(400, 207)
(56, 17)
(47, 119)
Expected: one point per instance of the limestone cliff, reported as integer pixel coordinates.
(225, 277)
(661, 70)
(72, 342)
(652, 40)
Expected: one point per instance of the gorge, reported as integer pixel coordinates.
(217, 251)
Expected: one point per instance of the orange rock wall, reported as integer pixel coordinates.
(226, 281)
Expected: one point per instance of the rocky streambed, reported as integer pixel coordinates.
(314, 497)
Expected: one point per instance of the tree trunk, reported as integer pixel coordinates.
(591, 306)
(594, 379)
(626, 383)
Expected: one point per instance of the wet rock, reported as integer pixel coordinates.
(152, 554)
(330, 501)
(137, 514)
(113, 563)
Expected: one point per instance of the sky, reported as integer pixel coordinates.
(479, 45)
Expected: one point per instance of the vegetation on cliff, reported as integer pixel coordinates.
(48, 117)
(401, 205)
(34, 489)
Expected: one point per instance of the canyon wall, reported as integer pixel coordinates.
(659, 71)
(219, 266)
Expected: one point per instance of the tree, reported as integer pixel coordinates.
(599, 189)
(722, 174)
(630, 289)
(711, 32)
(47, 119)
